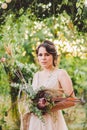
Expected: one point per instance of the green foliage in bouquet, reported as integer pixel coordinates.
(41, 101)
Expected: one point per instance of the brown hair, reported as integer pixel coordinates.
(50, 48)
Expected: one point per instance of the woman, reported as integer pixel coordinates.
(52, 78)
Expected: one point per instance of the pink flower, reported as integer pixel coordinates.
(3, 59)
(42, 103)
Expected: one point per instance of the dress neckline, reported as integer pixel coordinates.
(46, 80)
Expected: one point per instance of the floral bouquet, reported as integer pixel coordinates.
(41, 101)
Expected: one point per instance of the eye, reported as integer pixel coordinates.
(47, 54)
(40, 54)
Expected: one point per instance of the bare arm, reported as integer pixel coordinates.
(66, 85)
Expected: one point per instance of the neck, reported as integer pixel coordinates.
(50, 69)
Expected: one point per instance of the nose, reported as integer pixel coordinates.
(43, 57)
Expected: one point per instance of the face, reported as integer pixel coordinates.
(45, 59)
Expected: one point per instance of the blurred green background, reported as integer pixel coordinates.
(26, 23)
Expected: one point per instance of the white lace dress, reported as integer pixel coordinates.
(54, 121)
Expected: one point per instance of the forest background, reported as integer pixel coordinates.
(23, 25)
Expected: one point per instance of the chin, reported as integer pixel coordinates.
(44, 66)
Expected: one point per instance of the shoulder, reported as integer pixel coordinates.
(62, 74)
(36, 74)
(35, 78)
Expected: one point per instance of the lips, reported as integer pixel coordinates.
(43, 62)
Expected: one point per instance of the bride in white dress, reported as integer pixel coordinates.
(51, 78)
